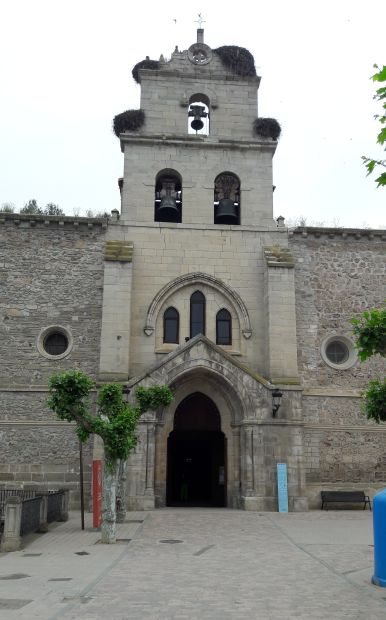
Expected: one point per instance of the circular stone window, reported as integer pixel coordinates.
(338, 352)
(55, 342)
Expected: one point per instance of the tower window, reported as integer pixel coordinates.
(197, 314)
(168, 197)
(198, 114)
(171, 325)
(223, 327)
(226, 199)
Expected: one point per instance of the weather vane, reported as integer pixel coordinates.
(199, 21)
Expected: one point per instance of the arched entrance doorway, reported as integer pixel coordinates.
(196, 473)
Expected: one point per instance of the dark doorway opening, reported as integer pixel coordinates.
(196, 455)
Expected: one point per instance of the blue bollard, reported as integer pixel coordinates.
(379, 525)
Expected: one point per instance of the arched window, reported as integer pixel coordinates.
(226, 199)
(168, 197)
(171, 325)
(198, 114)
(197, 314)
(223, 327)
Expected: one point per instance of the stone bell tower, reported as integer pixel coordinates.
(199, 289)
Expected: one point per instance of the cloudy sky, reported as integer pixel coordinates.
(65, 71)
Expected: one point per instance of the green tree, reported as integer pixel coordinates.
(52, 209)
(7, 207)
(370, 336)
(31, 207)
(115, 422)
(380, 95)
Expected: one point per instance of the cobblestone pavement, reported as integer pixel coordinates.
(229, 565)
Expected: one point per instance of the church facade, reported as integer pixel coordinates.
(195, 285)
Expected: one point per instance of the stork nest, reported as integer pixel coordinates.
(267, 128)
(131, 120)
(144, 64)
(238, 59)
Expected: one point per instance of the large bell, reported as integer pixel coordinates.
(226, 212)
(168, 211)
(198, 112)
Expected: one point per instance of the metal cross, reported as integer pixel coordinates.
(199, 21)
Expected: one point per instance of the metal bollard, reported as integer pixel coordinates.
(379, 526)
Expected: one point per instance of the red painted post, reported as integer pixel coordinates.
(97, 493)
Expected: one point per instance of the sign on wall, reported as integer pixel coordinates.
(282, 488)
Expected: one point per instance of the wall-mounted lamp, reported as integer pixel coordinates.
(276, 401)
(126, 391)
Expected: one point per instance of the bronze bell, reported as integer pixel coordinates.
(167, 211)
(197, 123)
(226, 212)
(198, 112)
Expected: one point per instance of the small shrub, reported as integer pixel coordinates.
(131, 120)
(144, 64)
(267, 128)
(238, 59)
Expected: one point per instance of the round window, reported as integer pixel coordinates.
(338, 352)
(54, 342)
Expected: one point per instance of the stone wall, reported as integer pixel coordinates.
(338, 275)
(51, 272)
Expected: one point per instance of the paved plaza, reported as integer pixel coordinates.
(187, 564)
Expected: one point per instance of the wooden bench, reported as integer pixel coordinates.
(345, 497)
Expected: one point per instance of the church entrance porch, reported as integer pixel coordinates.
(196, 463)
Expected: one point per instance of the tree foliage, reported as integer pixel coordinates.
(370, 335)
(32, 208)
(374, 401)
(116, 420)
(380, 95)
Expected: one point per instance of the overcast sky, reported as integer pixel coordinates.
(65, 72)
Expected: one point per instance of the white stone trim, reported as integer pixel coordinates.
(51, 329)
(197, 279)
(352, 356)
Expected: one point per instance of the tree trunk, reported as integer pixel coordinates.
(121, 492)
(108, 529)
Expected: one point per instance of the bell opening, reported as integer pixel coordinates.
(198, 115)
(168, 198)
(227, 199)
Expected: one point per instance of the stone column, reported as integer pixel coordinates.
(115, 333)
(247, 468)
(43, 525)
(11, 535)
(150, 456)
(279, 298)
(64, 508)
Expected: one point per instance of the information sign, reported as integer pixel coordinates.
(282, 489)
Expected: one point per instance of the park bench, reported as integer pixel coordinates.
(345, 497)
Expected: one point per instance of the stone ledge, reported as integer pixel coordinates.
(344, 233)
(25, 220)
(360, 428)
(197, 142)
